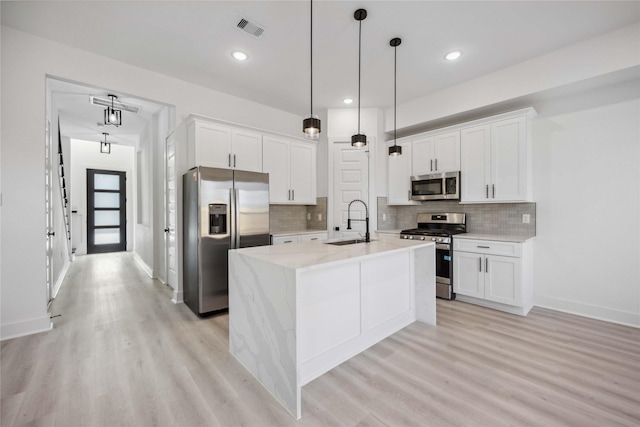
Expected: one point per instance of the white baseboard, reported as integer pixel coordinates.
(143, 264)
(58, 284)
(588, 310)
(177, 297)
(27, 327)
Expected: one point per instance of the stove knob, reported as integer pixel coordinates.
(410, 237)
(433, 239)
(422, 238)
(405, 237)
(440, 239)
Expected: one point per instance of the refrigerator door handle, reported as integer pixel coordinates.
(232, 219)
(236, 217)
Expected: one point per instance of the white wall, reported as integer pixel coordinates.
(26, 61)
(86, 155)
(586, 153)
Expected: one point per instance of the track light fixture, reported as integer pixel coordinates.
(105, 147)
(359, 140)
(111, 115)
(395, 150)
(311, 124)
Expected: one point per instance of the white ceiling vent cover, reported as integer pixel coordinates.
(252, 28)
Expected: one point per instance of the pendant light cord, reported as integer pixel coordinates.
(359, 68)
(395, 84)
(311, 51)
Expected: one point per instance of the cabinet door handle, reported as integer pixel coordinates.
(289, 196)
(409, 195)
(431, 167)
(493, 188)
(229, 159)
(293, 194)
(487, 189)
(486, 265)
(234, 160)
(484, 247)
(436, 165)
(480, 264)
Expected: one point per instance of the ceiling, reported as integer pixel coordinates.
(79, 119)
(193, 41)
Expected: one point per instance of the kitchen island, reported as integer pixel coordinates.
(296, 311)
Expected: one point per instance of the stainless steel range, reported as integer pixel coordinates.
(439, 227)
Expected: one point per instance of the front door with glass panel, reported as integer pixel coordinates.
(106, 211)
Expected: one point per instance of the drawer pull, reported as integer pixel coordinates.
(288, 241)
(484, 247)
(314, 238)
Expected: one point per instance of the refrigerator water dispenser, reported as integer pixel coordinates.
(217, 218)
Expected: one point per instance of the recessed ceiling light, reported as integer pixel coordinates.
(240, 56)
(452, 56)
(347, 100)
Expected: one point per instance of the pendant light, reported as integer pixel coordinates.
(111, 115)
(359, 140)
(105, 147)
(311, 123)
(395, 150)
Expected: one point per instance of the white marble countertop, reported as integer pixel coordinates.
(310, 255)
(495, 237)
(296, 232)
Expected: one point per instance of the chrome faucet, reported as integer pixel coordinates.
(366, 209)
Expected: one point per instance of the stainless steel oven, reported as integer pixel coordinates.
(438, 228)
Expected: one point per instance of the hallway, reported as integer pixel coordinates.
(122, 354)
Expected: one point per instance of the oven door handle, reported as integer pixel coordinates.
(445, 246)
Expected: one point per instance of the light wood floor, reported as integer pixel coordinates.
(123, 354)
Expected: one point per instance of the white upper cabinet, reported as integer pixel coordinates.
(437, 153)
(215, 145)
(496, 161)
(291, 167)
(246, 150)
(399, 176)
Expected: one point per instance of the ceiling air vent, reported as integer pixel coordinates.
(251, 28)
(106, 102)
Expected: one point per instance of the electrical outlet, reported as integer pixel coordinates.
(319, 217)
(526, 218)
(308, 217)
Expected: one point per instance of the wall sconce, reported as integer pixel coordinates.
(105, 147)
(111, 115)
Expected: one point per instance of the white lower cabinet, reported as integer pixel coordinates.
(295, 238)
(495, 274)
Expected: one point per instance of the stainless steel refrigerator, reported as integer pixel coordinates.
(222, 209)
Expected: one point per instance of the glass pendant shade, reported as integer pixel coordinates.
(395, 150)
(311, 127)
(358, 140)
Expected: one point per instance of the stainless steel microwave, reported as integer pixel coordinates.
(436, 186)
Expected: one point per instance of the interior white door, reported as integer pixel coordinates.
(350, 182)
(48, 195)
(171, 259)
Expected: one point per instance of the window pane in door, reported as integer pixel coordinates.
(106, 200)
(106, 182)
(106, 218)
(107, 236)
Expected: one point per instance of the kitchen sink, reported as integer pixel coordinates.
(346, 242)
